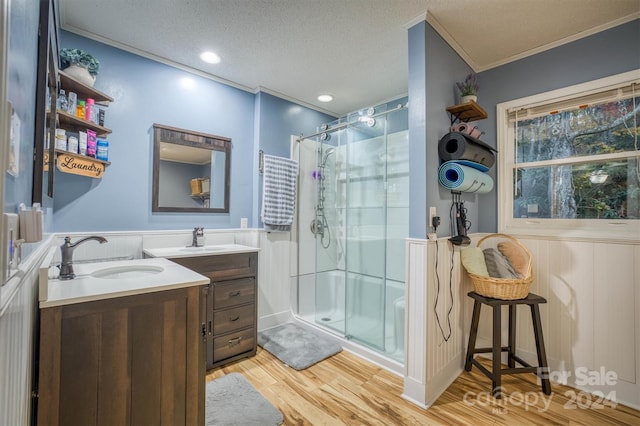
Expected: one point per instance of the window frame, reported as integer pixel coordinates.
(608, 230)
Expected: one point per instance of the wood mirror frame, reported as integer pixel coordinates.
(191, 140)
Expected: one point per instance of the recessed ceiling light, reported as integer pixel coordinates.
(325, 98)
(210, 57)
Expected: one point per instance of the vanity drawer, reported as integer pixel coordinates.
(234, 344)
(230, 319)
(223, 266)
(234, 292)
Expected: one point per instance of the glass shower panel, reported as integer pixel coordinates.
(397, 228)
(352, 225)
(330, 284)
(365, 188)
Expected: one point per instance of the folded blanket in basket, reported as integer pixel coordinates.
(278, 192)
(498, 265)
(516, 256)
(473, 261)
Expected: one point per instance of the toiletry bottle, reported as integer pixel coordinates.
(89, 113)
(82, 143)
(62, 103)
(102, 152)
(72, 144)
(61, 139)
(73, 103)
(91, 143)
(101, 117)
(80, 109)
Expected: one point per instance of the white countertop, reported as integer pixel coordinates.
(138, 277)
(187, 251)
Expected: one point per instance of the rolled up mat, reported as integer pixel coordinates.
(474, 132)
(460, 146)
(457, 177)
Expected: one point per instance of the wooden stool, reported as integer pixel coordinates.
(542, 370)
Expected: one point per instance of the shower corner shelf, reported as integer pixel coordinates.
(469, 111)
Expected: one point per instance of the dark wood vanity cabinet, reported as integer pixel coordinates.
(231, 317)
(124, 361)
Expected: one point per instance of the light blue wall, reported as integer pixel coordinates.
(434, 67)
(603, 54)
(148, 92)
(21, 85)
(278, 120)
(417, 130)
(444, 68)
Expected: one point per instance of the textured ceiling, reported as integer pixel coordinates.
(355, 50)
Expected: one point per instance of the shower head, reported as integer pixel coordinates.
(326, 155)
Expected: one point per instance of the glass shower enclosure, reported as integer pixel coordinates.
(352, 221)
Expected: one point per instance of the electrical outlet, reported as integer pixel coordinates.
(244, 223)
(432, 214)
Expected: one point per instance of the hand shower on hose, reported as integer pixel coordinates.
(319, 225)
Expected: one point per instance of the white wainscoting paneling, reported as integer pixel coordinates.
(274, 292)
(591, 321)
(17, 328)
(431, 363)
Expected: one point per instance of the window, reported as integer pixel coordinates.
(569, 161)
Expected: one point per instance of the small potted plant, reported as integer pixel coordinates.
(80, 65)
(468, 89)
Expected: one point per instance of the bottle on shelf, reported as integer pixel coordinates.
(72, 144)
(101, 117)
(80, 110)
(102, 152)
(90, 110)
(82, 143)
(73, 103)
(92, 144)
(61, 139)
(62, 101)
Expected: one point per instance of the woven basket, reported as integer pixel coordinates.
(503, 288)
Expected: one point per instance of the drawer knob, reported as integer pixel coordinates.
(234, 294)
(235, 341)
(235, 319)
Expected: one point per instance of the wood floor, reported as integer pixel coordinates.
(345, 390)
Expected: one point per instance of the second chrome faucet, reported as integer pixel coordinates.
(198, 237)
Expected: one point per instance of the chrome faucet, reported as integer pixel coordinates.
(198, 237)
(66, 266)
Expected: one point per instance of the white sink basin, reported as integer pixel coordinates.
(129, 271)
(111, 279)
(204, 248)
(190, 251)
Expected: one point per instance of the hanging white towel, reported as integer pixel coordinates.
(279, 178)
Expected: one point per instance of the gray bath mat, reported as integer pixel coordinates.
(233, 401)
(296, 346)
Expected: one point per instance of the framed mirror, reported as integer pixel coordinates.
(191, 171)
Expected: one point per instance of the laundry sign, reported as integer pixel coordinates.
(69, 163)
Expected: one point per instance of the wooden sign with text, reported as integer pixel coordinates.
(76, 165)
